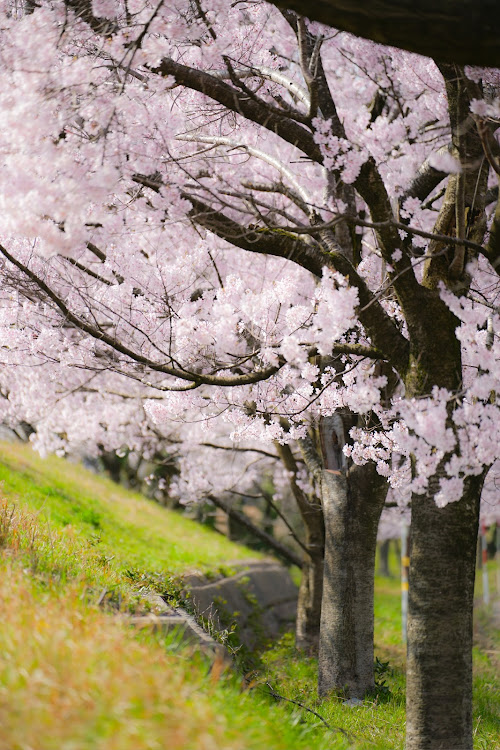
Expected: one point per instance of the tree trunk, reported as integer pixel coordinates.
(439, 666)
(310, 595)
(383, 565)
(311, 584)
(352, 504)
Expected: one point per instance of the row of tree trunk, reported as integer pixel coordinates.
(336, 599)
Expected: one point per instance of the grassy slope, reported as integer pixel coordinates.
(139, 533)
(73, 677)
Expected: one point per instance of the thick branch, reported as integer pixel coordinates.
(354, 220)
(241, 518)
(462, 211)
(380, 327)
(311, 458)
(282, 245)
(426, 180)
(237, 101)
(305, 506)
(418, 232)
(383, 332)
(369, 183)
(358, 350)
(83, 10)
(492, 249)
(461, 31)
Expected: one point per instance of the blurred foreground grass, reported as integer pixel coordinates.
(74, 678)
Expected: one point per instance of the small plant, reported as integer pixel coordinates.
(6, 515)
(227, 571)
(382, 670)
(226, 636)
(104, 560)
(169, 587)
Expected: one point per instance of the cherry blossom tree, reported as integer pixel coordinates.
(358, 679)
(231, 211)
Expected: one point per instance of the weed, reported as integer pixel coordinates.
(381, 670)
(6, 516)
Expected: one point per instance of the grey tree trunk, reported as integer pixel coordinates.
(383, 551)
(311, 584)
(352, 504)
(439, 665)
(307, 627)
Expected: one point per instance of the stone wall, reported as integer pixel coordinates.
(260, 597)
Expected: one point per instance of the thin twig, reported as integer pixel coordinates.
(287, 523)
(276, 695)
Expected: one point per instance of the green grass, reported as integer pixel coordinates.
(137, 533)
(72, 676)
(379, 724)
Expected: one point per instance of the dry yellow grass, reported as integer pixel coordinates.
(71, 678)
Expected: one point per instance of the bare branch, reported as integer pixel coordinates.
(268, 499)
(238, 102)
(381, 328)
(236, 448)
(296, 91)
(349, 219)
(241, 518)
(257, 153)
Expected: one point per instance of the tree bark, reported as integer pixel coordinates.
(307, 627)
(352, 504)
(383, 566)
(461, 31)
(311, 584)
(439, 665)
